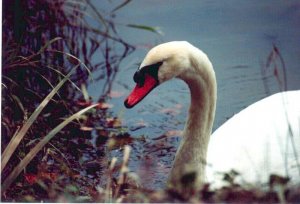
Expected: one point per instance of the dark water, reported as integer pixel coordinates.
(237, 35)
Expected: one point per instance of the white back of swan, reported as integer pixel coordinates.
(262, 139)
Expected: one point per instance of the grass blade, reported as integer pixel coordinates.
(17, 170)
(62, 75)
(47, 44)
(85, 92)
(11, 147)
(75, 58)
(156, 30)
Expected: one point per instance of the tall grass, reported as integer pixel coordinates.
(14, 142)
(47, 43)
(17, 170)
(275, 65)
(51, 50)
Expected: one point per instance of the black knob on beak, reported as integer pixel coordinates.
(139, 77)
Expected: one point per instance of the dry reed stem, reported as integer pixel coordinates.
(11, 147)
(17, 170)
(275, 62)
(124, 169)
(108, 191)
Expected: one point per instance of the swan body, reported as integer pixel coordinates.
(261, 140)
(182, 60)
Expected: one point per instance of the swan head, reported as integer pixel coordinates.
(162, 63)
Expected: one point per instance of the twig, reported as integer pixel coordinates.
(124, 169)
(108, 191)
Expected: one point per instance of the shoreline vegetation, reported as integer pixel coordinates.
(48, 59)
(51, 51)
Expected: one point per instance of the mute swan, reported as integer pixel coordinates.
(241, 149)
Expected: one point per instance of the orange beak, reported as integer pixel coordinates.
(141, 91)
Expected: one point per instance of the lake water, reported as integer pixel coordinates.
(237, 35)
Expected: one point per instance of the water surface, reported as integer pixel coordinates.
(237, 36)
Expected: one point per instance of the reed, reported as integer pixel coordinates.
(47, 43)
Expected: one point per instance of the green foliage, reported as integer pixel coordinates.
(156, 30)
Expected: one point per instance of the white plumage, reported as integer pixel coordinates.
(262, 139)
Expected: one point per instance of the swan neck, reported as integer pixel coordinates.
(200, 118)
(202, 109)
(190, 158)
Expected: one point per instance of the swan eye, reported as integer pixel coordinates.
(152, 70)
